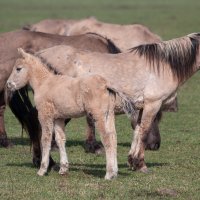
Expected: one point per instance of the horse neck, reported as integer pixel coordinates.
(38, 74)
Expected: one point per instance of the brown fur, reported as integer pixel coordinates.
(32, 42)
(124, 36)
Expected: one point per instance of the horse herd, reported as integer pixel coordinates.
(95, 70)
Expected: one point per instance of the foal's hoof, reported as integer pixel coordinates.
(137, 164)
(111, 175)
(41, 172)
(93, 147)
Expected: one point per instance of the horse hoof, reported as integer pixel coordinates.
(110, 176)
(94, 147)
(153, 147)
(41, 172)
(5, 142)
(137, 164)
(144, 170)
(63, 169)
(63, 172)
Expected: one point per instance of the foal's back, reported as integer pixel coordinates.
(70, 97)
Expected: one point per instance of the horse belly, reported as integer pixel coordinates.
(68, 108)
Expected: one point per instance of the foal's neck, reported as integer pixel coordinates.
(38, 74)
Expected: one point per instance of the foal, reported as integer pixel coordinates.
(59, 97)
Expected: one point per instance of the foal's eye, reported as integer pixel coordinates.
(18, 69)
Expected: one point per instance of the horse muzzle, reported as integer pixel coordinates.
(10, 86)
(9, 91)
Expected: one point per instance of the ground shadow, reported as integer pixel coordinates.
(24, 164)
(20, 141)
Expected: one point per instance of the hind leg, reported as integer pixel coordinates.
(60, 140)
(108, 136)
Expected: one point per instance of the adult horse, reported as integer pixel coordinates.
(149, 74)
(33, 41)
(124, 36)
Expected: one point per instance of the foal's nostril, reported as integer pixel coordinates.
(9, 85)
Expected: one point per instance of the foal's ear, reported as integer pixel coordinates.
(23, 53)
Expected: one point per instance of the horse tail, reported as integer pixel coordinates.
(21, 106)
(126, 101)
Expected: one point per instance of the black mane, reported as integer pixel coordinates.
(50, 67)
(179, 53)
(112, 48)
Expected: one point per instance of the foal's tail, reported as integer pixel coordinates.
(126, 101)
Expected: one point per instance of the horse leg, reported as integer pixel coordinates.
(106, 127)
(3, 136)
(35, 132)
(47, 132)
(53, 143)
(60, 140)
(145, 119)
(153, 138)
(91, 145)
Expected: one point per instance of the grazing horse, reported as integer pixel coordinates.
(34, 41)
(149, 74)
(58, 97)
(124, 36)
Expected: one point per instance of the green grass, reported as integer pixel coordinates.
(175, 166)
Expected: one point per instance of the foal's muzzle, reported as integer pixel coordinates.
(9, 91)
(10, 85)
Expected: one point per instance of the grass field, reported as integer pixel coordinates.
(174, 168)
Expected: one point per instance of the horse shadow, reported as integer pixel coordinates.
(26, 142)
(20, 141)
(95, 170)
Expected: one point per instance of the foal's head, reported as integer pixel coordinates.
(21, 71)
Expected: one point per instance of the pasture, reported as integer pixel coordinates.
(174, 168)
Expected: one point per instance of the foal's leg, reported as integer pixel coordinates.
(47, 132)
(106, 127)
(91, 145)
(136, 153)
(60, 140)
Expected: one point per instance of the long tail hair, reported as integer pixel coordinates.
(20, 104)
(127, 102)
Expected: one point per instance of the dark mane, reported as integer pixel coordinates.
(112, 48)
(179, 53)
(48, 65)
